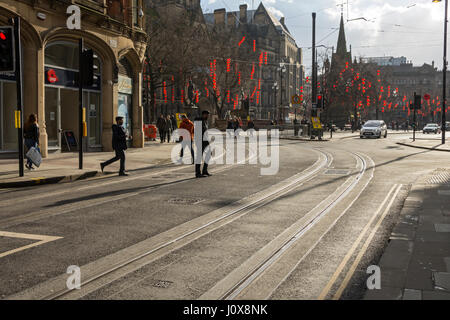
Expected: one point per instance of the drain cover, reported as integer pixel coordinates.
(161, 284)
(337, 172)
(185, 201)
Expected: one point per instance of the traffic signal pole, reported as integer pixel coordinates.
(414, 118)
(444, 71)
(80, 104)
(18, 73)
(314, 67)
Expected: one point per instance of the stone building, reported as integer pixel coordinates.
(405, 80)
(278, 82)
(114, 30)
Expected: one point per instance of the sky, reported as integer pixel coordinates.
(410, 28)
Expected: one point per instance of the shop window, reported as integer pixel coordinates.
(8, 131)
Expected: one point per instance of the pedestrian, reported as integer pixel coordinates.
(237, 126)
(161, 125)
(173, 119)
(250, 126)
(119, 144)
(31, 135)
(168, 128)
(187, 125)
(204, 148)
(230, 127)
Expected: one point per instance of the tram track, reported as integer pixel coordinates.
(107, 269)
(243, 277)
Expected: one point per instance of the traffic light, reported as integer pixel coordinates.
(88, 68)
(417, 102)
(7, 54)
(320, 103)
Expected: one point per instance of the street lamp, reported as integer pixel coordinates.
(275, 90)
(282, 70)
(444, 71)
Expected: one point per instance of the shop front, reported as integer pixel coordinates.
(125, 98)
(8, 98)
(62, 101)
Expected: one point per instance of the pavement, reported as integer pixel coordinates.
(427, 142)
(416, 263)
(63, 167)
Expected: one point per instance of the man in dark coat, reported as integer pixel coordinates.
(161, 124)
(119, 144)
(173, 119)
(204, 147)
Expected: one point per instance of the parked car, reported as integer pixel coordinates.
(348, 127)
(431, 128)
(447, 126)
(373, 128)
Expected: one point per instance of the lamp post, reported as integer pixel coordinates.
(282, 70)
(444, 72)
(275, 90)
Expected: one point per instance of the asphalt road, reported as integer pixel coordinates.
(308, 232)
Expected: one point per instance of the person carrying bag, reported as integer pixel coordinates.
(31, 136)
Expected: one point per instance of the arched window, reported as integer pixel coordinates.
(64, 55)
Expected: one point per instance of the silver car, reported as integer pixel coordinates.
(373, 128)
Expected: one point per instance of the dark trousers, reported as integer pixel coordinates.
(206, 152)
(162, 135)
(168, 135)
(120, 155)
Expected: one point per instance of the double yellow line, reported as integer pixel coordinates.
(326, 291)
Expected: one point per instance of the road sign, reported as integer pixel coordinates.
(296, 99)
(316, 123)
(427, 97)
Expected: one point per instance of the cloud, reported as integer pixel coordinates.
(277, 13)
(396, 28)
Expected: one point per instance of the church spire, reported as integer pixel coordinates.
(342, 43)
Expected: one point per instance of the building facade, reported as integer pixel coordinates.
(113, 29)
(282, 76)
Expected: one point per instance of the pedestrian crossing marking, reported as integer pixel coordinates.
(41, 239)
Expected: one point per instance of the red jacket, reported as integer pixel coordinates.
(189, 126)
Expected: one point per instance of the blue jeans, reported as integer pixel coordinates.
(31, 143)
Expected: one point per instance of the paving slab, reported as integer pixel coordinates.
(63, 167)
(416, 261)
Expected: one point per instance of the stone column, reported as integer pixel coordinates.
(109, 105)
(138, 112)
(34, 91)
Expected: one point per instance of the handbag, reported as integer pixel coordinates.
(35, 156)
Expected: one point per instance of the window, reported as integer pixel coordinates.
(64, 54)
(135, 13)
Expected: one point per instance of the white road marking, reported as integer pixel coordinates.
(41, 240)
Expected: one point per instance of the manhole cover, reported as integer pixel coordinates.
(185, 201)
(337, 172)
(161, 284)
(439, 176)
